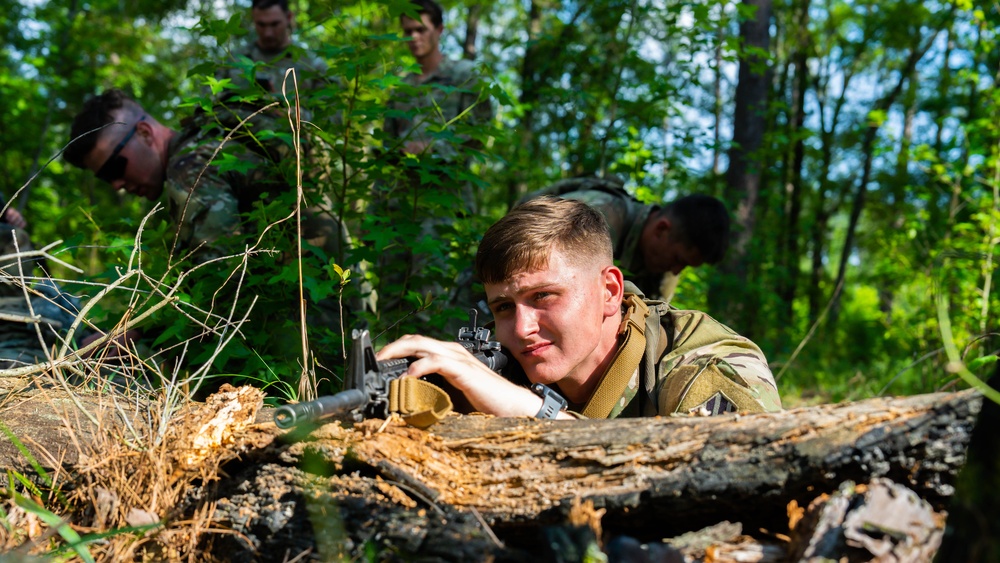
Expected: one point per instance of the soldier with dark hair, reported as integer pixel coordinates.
(652, 243)
(448, 87)
(273, 49)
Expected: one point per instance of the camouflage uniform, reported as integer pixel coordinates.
(626, 216)
(212, 221)
(705, 368)
(310, 70)
(440, 97)
(692, 364)
(427, 102)
(213, 212)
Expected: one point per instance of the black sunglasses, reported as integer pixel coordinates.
(114, 167)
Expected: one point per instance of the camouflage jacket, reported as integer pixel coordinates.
(434, 100)
(205, 197)
(310, 70)
(692, 364)
(704, 368)
(626, 216)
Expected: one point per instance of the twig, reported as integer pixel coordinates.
(486, 528)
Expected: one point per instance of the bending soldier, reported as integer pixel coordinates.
(209, 204)
(652, 243)
(145, 158)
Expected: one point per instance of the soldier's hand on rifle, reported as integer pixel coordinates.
(488, 391)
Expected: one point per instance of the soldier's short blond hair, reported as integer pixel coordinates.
(525, 238)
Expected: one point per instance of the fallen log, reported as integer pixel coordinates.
(658, 475)
(479, 487)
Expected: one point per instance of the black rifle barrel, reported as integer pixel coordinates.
(288, 416)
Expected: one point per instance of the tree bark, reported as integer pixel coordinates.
(671, 471)
(476, 487)
(744, 172)
(471, 31)
(788, 285)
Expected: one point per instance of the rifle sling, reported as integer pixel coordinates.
(418, 402)
(627, 359)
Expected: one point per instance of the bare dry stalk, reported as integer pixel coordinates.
(140, 452)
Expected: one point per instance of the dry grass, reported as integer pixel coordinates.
(141, 455)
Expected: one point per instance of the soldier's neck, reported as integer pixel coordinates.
(430, 64)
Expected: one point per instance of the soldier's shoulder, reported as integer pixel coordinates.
(187, 148)
(584, 188)
(458, 71)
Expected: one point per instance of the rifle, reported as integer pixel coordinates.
(376, 387)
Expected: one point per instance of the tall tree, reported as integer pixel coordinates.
(743, 177)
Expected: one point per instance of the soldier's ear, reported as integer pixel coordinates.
(662, 227)
(614, 290)
(144, 130)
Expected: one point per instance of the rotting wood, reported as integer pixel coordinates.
(422, 493)
(672, 471)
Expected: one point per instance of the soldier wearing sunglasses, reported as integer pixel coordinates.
(125, 147)
(129, 149)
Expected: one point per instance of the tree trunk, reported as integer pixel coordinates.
(790, 251)
(744, 172)
(530, 85)
(717, 78)
(471, 31)
(867, 148)
(653, 477)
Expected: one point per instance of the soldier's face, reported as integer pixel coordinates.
(273, 26)
(125, 158)
(554, 320)
(425, 39)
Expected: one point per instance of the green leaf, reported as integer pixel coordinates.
(231, 163)
(983, 361)
(59, 524)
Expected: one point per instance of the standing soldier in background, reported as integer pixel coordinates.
(652, 243)
(273, 46)
(444, 92)
(447, 88)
